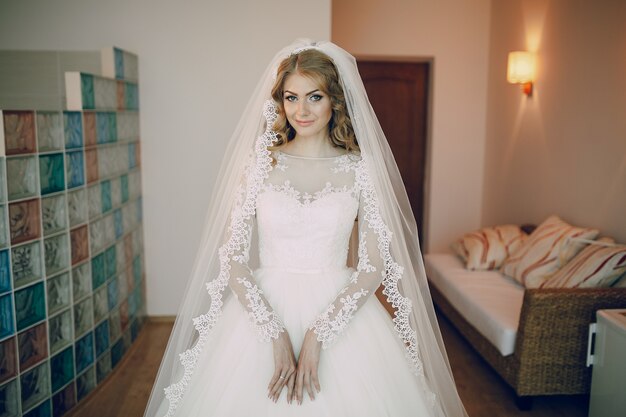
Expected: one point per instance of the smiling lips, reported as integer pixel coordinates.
(304, 123)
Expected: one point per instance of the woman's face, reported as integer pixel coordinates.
(307, 108)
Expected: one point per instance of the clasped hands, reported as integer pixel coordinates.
(296, 376)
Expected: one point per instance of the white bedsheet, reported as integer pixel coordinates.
(486, 299)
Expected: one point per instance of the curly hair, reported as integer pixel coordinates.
(320, 68)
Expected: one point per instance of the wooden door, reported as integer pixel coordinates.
(398, 92)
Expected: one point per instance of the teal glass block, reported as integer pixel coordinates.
(117, 352)
(4, 235)
(103, 366)
(98, 271)
(26, 260)
(94, 200)
(30, 305)
(77, 207)
(112, 116)
(106, 127)
(56, 253)
(100, 304)
(6, 316)
(22, 177)
(32, 345)
(124, 181)
(62, 368)
(132, 155)
(119, 63)
(35, 386)
(119, 225)
(85, 383)
(53, 214)
(105, 188)
(5, 272)
(112, 293)
(51, 173)
(84, 351)
(60, 331)
(101, 334)
(83, 317)
(132, 96)
(87, 91)
(42, 410)
(59, 293)
(110, 262)
(81, 280)
(9, 399)
(73, 129)
(64, 400)
(50, 131)
(75, 169)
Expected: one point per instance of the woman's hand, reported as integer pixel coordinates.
(307, 367)
(284, 368)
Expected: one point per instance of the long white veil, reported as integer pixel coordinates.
(407, 290)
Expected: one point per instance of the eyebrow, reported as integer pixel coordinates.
(309, 93)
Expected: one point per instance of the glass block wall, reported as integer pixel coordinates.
(72, 281)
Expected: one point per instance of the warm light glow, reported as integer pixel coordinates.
(522, 67)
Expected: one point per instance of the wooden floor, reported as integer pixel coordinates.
(484, 394)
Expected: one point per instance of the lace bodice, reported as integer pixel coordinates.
(305, 212)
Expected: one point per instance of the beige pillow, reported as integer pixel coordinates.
(488, 247)
(594, 266)
(546, 250)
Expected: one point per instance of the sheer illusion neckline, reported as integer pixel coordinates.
(313, 157)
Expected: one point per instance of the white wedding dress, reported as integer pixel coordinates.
(305, 213)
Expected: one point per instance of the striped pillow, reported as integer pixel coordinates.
(488, 247)
(546, 250)
(594, 266)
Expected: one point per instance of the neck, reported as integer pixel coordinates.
(319, 146)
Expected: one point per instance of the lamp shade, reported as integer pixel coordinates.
(522, 67)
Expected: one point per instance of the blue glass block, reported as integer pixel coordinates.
(112, 294)
(75, 169)
(132, 96)
(87, 91)
(42, 410)
(35, 385)
(51, 173)
(110, 261)
(119, 224)
(73, 129)
(134, 329)
(6, 316)
(84, 352)
(105, 189)
(112, 126)
(103, 366)
(119, 63)
(61, 369)
(124, 180)
(9, 399)
(98, 272)
(117, 351)
(30, 305)
(5, 272)
(85, 383)
(64, 400)
(132, 155)
(137, 270)
(102, 127)
(102, 337)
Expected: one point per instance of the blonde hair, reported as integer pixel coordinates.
(320, 68)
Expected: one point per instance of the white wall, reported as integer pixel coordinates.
(199, 61)
(455, 33)
(562, 151)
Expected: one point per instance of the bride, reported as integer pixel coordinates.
(304, 335)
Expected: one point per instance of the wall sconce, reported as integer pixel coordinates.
(522, 70)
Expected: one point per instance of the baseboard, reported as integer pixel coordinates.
(161, 319)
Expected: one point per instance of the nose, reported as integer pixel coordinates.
(303, 108)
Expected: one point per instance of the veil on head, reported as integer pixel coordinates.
(414, 319)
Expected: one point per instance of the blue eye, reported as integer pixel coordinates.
(316, 97)
(291, 98)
